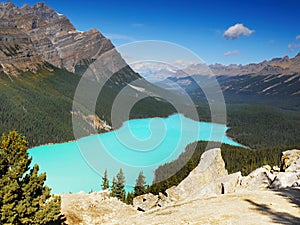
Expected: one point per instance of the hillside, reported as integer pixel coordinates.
(39, 105)
(42, 58)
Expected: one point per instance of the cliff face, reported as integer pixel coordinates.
(43, 35)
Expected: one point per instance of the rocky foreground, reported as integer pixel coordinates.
(209, 195)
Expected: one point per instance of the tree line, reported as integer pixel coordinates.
(171, 174)
(236, 159)
(117, 187)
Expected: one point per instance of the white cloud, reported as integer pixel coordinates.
(120, 37)
(293, 46)
(233, 52)
(236, 31)
(298, 37)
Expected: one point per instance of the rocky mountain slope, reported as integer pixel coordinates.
(207, 196)
(38, 33)
(42, 58)
(277, 90)
(275, 82)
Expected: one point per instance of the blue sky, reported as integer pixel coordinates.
(273, 26)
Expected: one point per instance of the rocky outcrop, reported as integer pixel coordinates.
(16, 50)
(260, 178)
(290, 170)
(290, 161)
(210, 178)
(265, 177)
(94, 208)
(223, 185)
(149, 201)
(285, 180)
(42, 34)
(214, 197)
(210, 168)
(145, 202)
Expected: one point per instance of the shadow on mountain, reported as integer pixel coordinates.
(292, 195)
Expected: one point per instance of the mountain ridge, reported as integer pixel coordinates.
(284, 65)
(275, 82)
(42, 60)
(51, 38)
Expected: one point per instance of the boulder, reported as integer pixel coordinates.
(260, 178)
(210, 168)
(286, 179)
(290, 161)
(145, 202)
(222, 185)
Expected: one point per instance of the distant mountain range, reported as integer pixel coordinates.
(275, 82)
(276, 66)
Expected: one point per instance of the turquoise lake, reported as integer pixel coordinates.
(141, 144)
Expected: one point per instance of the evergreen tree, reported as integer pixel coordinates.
(118, 186)
(105, 182)
(113, 188)
(129, 198)
(140, 185)
(24, 199)
(121, 194)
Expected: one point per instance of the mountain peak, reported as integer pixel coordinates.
(41, 33)
(26, 7)
(286, 58)
(40, 5)
(8, 4)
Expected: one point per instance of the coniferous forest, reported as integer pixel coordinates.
(236, 159)
(24, 199)
(171, 174)
(39, 106)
